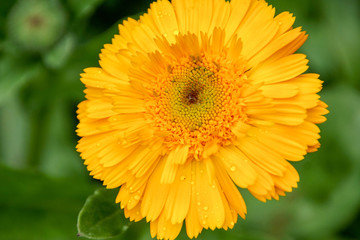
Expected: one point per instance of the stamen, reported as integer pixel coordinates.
(197, 102)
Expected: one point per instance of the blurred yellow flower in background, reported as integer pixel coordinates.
(196, 99)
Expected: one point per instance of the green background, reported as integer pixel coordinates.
(43, 184)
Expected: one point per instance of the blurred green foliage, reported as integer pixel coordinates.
(43, 184)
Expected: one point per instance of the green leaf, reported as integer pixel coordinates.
(101, 217)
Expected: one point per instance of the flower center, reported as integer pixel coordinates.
(196, 101)
(192, 97)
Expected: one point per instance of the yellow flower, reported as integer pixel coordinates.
(195, 99)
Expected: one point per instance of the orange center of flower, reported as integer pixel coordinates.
(197, 102)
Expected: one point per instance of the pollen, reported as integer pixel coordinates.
(198, 102)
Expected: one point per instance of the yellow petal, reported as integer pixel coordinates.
(264, 183)
(237, 166)
(288, 181)
(134, 214)
(238, 9)
(100, 108)
(257, 28)
(164, 19)
(155, 194)
(280, 90)
(209, 204)
(144, 158)
(315, 114)
(193, 226)
(285, 20)
(280, 70)
(275, 45)
(178, 202)
(232, 194)
(262, 156)
(129, 199)
(166, 229)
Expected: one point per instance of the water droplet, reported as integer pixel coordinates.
(192, 182)
(98, 144)
(233, 169)
(182, 178)
(206, 208)
(232, 223)
(197, 193)
(205, 216)
(137, 213)
(213, 186)
(136, 197)
(204, 222)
